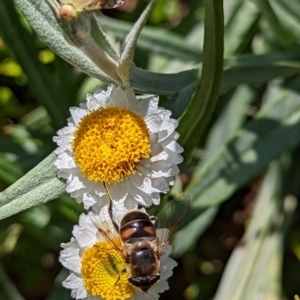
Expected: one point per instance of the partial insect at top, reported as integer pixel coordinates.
(90, 4)
(107, 4)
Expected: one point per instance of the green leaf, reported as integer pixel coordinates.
(129, 44)
(229, 121)
(202, 106)
(188, 235)
(257, 69)
(273, 131)
(156, 40)
(41, 19)
(250, 271)
(38, 186)
(180, 101)
(240, 16)
(251, 69)
(161, 84)
(100, 36)
(280, 27)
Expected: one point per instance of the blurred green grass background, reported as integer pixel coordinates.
(243, 248)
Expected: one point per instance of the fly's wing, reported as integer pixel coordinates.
(107, 4)
(107, 230)
(168, 220)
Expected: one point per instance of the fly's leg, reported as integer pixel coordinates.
(110, 207)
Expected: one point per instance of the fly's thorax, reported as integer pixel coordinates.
(136, 225)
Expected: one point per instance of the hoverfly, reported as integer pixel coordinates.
(144, 239)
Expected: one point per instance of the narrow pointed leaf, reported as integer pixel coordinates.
(161, 84)
(101, 37)
(8, 289)
(188, 235)
(288, 14)
(257, 69)
(155, 40)
(129, 44)
(207, 92)
(180, 101)
(250, 271)
(241, 17)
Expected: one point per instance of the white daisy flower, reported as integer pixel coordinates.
(128, 144)
(97, 267)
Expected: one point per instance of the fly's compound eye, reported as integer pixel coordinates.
(144, 282)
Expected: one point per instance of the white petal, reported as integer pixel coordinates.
(84, 237)
(153, 123)
(118, 97)
(163, 169)
(119, 191)
(167, 253)
(96, 207)
(143, 200)
(174, 157)
(69, 257)
(77, 114)
(149, 105)
(64, 146)
(85, 234)
(65, 161)
(156, 149)
(132, 105)
(130, 202)
(76, 284)
(161, 286)
(74, 183)
(174, 146)
(156, 198)
(170, 180)
(89, 200)
(151, 295)
(160, 185)
(100, 98)
(166, 129)
(163, 155)
(146, 186)
(63, 173)
(68, 130)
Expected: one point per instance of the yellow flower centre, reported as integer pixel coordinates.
(109, 143)
(104, 274)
